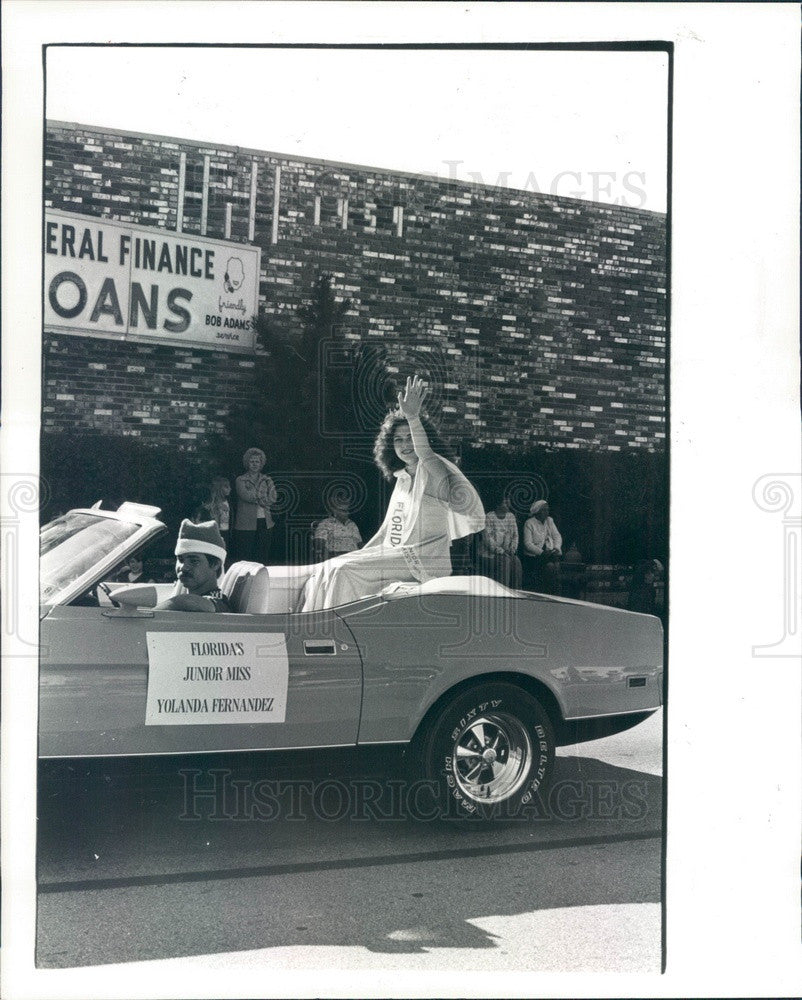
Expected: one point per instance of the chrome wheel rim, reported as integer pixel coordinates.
(492, 757)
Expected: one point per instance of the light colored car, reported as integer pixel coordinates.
(480, 683)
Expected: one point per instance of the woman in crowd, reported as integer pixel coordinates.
(431, 505)
(498, 546)
(216, 507)
(542, 550)
(256, 493)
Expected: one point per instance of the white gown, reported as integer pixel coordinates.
(413, 543)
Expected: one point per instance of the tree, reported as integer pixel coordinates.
(326, 387)
(298, 400)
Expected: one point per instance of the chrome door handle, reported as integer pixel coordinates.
(128, 613)
(319, 647)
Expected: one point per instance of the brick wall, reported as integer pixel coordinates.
(543, 318)
(162, 394)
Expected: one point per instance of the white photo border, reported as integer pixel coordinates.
(734, 814)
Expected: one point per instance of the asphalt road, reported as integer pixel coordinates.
(236, 861)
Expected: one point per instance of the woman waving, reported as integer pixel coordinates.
(432, 504)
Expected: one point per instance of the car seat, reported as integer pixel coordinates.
(246, 585)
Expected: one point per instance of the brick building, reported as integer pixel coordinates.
(543, 318)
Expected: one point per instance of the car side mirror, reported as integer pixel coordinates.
(141, 596)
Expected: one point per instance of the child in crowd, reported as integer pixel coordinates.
(336, 534)
(134, 571)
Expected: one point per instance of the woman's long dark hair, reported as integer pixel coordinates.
(384, 453)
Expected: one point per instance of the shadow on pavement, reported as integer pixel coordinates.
(145, 860)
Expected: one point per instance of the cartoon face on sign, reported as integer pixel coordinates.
(235, 273)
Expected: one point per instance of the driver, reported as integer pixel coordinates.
(200, 553)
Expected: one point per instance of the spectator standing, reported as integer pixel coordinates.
(498, 547)
(542, 550)
(134, 571)
(573, 573)
(256, 493)
(216, 507)
(643, 589)
(337, 534)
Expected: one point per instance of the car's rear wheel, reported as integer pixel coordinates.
(489, 752)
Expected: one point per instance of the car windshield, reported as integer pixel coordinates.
(71, 545)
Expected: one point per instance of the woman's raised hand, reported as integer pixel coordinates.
(411, 400)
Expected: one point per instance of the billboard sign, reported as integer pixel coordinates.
(128, 282)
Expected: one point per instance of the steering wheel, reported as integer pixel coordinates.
(107, 591)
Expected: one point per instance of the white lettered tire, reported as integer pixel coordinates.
(490, 752)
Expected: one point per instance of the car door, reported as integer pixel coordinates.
(125, 681)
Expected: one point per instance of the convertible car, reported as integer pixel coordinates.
(479, 682)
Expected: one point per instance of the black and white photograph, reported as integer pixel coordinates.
(358, 418)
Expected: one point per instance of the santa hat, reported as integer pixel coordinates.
(204, 538)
